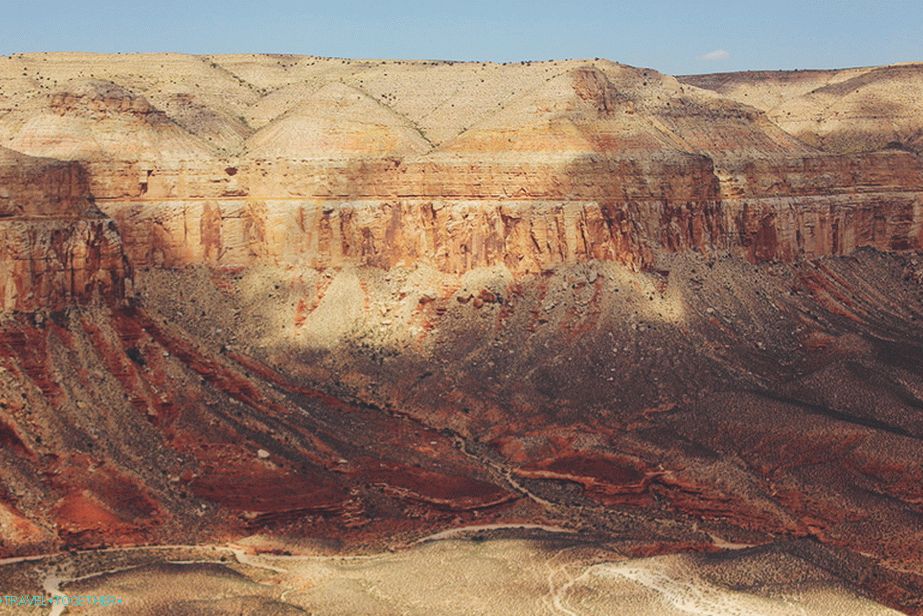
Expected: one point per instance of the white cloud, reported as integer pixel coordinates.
(715, 55)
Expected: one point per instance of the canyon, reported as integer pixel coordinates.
(330, 306)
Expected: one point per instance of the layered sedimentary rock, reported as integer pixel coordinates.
(593, 159)
(525, 236)
(56, 247)
(851, 110)
(358, 302)
(50, 265)
(41, 187)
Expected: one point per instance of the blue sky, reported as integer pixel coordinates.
(671, 36)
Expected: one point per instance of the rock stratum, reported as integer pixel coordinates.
(347, 304)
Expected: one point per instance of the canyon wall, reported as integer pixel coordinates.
(330, 164)
(50, 265)
(32, 186)
(525, 236)
(56, 248)
(451, 220)
(528, 217)
(214, 327)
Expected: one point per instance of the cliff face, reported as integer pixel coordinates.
(363, 301)
(41, 187)
(455, 217)
(577, 161)
(51, 265)
(56, 248)
(525, 236)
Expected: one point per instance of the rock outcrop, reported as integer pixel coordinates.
(580, 160)
(56, 248)
(51, 265)
(41, 187)
(361, 301)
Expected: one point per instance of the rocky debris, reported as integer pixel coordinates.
(589, 295)
(608, 410)
(913, 270)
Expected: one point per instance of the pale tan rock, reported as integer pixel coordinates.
(337, 122)
(851, 110)
(241, 161)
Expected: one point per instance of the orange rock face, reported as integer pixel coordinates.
(586, 161)
(44, 187)
(361, 302)
(57, 249)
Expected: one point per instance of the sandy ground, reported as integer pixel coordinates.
(470, 574)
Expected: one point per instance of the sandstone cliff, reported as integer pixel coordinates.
(56, 247)
(41, 187)
(359, 302)
(322, 162)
